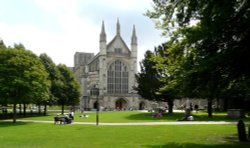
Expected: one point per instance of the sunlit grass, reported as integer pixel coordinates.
(29, 135)
(137, 116)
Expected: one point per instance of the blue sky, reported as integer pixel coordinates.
(62, 27)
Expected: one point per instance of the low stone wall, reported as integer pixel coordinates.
(235, 113)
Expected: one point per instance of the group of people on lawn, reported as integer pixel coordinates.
(67, 118)
(188, 117)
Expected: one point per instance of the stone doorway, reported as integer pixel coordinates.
(120, 104)
(95, 105)
(142, 105)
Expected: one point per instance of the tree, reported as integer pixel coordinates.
(69, 88)
(2, 45)
(54, 77)
(147, 79)
(168, 65)
(3, 101)
(156, 79)
(23, 78)
(216, 48)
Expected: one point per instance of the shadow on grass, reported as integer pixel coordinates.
(230, 142)
(194, 145)
(216, 117)
(10, 123)
(178, 115)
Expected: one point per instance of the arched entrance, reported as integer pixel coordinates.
(142, 105)
(95, 105)
(120, 104)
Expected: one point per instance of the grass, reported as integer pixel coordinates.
(45, 135)
(136, 116)
(29, 135)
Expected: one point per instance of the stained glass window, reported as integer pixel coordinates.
(117, 78)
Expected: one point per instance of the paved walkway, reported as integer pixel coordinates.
(140, 123)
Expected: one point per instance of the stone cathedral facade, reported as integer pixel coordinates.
(112, 70)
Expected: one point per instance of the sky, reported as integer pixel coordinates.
(60, 28)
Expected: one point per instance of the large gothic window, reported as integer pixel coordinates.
(117, 78)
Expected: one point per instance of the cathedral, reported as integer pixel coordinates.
(111, 72)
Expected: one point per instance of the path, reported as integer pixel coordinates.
(140, 123)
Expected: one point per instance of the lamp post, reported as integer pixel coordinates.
(95, 91)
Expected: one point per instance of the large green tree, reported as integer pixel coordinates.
(54, 77)
(159, 72)
(2, 47)
(168, 65)
(148, 78)
(23, 78)
(216, 48)
(69, 88)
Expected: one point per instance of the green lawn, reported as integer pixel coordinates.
(29, 135)
(45, 135)
(136, 116)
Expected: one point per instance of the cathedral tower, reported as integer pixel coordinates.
(134, 43)
(103, 40)
(134, 49)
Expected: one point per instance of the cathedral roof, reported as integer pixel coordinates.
(118, 38)
(94, 58)
(115, 39)
(116, 42)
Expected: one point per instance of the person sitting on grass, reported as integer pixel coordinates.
(84, 116)
(188, 116)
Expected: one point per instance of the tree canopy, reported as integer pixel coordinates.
(212, 39)
(54, 77)
(147, 79)
(2, 45)
(69, 88)
(23, 78)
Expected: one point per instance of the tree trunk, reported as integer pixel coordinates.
(62, 109)
(209, 108)
(45, 109)
(14, 113)
(39, 109)
(24, 110)
(170, 106)
(20, 109)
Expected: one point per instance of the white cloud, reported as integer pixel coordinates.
(126, 5)
(76, 34)
(57, 6)
(60, 47)
(76, 30)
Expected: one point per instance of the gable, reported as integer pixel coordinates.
(118, 46)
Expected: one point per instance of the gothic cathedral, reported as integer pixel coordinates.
(112, 72)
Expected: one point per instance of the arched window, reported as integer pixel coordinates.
(117, 78)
